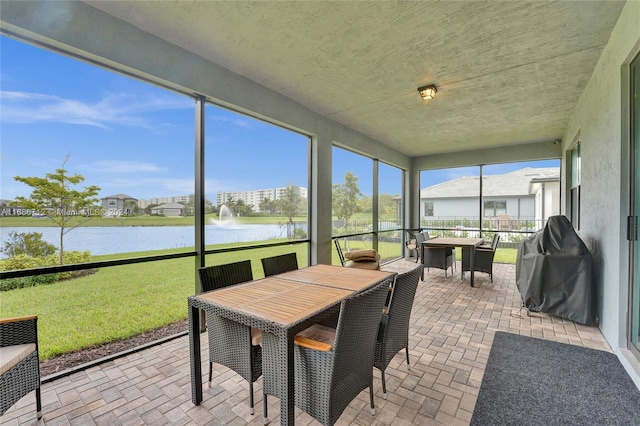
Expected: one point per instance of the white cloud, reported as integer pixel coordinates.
(114, 108)
(116, 166)
(236, 121)
(173, 186)
(147, 188)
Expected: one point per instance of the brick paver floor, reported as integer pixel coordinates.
(452, 327)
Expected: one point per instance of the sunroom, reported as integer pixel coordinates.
(319, 90)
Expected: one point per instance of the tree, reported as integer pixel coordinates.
(130, 207)
(55, 197)
(267, 205)
(147, 209)
(209, 207)
(289, 206)
(387, 206)
(30, 244)
(365, 204)
(345, 197)
(242, 209)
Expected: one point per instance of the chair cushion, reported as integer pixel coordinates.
(317, 336)
(256, 336)
(360, 255)
(10, 356)
(367, 264)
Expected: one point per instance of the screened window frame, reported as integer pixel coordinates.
(575, 184)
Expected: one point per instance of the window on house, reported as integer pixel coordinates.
(495, 208)
(428, 208)
(576, 172)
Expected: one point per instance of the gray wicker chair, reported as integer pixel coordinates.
(326, 381)
(19, 346)
(393, 334)
(483, 262)
(279, 264)
(437, 257)
(412, 244)
(232, 344)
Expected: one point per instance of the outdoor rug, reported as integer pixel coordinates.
(531, 381)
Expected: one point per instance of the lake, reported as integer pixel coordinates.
(111, 240)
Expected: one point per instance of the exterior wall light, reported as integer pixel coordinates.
(428, 92)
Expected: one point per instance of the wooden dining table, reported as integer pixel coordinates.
(470, 243)
(281, 306)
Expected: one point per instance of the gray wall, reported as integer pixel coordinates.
(601, 121)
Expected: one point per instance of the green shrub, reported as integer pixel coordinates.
(299, 234)
(22, 261)
(32, 281)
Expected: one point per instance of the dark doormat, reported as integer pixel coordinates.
(531, 381)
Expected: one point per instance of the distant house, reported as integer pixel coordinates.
(169, 209)
(118, 205)
(524, 194)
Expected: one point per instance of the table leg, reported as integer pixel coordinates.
(195, 355)
(471, 264)
(287, 402)
(422, 260)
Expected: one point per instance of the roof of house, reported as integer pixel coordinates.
(120, 197)
(515, 183)
(169, 206)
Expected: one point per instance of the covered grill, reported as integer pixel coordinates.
(554, 273)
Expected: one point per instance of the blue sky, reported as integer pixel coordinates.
(131, 137)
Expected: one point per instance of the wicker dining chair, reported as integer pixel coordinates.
(483, 260)
(412, 243)
(393, 334)
(232, 344)
(279, 264)
(438, 257)
(19, 361)
(329, 374)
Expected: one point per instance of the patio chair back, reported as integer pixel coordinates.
(327, 382)
(279, 264)
(219, 276)
(232, 344)
(393, 334)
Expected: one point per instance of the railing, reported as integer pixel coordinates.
(512, 230)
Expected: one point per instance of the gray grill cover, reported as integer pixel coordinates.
(553, 273)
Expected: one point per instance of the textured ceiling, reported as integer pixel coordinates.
(507, 72)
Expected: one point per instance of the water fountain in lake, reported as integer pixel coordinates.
(225, 218)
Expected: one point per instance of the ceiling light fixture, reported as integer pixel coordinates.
(428, 92)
